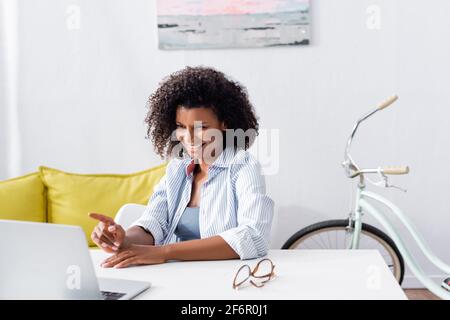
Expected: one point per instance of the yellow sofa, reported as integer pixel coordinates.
(55, 196)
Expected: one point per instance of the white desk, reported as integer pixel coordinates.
(301, 274)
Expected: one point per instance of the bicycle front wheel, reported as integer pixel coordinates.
(336, 234)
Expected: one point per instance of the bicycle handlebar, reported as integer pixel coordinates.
(395, 170)
(387, 102)
(351, 168)
(383, 170)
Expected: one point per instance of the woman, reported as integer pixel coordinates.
(211, 204)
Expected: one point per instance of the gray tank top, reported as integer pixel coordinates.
(188, 225)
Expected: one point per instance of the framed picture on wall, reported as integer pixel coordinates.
(207, 24)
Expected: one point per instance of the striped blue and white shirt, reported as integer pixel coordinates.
(233, 203)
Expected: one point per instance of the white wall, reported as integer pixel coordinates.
(3, 130)
(82, 97)
(10, 163)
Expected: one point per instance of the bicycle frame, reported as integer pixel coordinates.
(363, 205)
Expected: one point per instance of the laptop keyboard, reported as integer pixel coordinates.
(107, 295)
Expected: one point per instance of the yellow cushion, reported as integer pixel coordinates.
(23, 198)
(70, 196)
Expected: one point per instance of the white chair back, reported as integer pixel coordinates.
(128, 214)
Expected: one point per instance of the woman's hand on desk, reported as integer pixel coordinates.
(107, 234)
(136, 255)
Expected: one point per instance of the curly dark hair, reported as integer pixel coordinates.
(194, 87)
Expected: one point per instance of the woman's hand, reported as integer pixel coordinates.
(136, 255)
(108, 235)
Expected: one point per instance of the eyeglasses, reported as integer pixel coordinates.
(263, 272)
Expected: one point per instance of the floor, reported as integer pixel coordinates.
(420, 294)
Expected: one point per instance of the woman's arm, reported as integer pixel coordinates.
(250, 238)
(137, 235)
(152, 227)
(213, 248)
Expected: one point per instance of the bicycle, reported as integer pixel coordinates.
(353, 234)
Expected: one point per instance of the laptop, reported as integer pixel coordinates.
(52, 261)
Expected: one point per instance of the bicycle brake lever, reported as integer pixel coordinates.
(384, 182)
(396, 187)
(387, 185)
